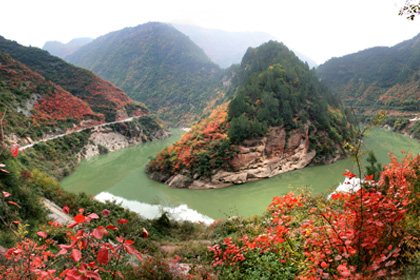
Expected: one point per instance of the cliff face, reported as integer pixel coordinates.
(258, 158)
(107, 139)
(61, 154)
(281, 118)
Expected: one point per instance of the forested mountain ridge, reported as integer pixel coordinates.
(32, 106)
(158, 65)
(81, 111)
(101, 96)
(281, 118)
(377, 78)
(222, 47)
(227, 48)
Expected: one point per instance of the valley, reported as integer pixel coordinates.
(246, 190)
(120, 175)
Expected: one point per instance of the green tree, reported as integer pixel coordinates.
(239, 129)
(374, 168)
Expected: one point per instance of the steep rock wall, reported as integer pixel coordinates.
(118, 137)
(257, 159)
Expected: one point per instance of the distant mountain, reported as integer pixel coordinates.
(377, 78)
(223, 47)
(226, 48)
(158, 65)
(281, 118)
(101, 96)
(63, 50)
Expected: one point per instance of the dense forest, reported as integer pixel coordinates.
(222, 47)
(377, 78)
(31, 106)
(271, 106)
(102, 96)
(158, 65)
(272, 88)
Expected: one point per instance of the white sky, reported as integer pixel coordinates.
(319, 29)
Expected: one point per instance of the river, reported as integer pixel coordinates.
(120, 176)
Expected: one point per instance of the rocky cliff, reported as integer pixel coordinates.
(104, 139)
(264, 157)
(59, 155)
(280, 118)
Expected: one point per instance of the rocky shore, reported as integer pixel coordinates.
(257, 159)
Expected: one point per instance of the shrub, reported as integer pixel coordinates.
(358, 235)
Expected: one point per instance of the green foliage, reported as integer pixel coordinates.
(56, 157)
(102, 149)
(30, 211)
(415, 130)
(101, 96)
(275, 88)
(203, 149)
(265, 265)
(377, 78)
(374, 168)
(158, 65)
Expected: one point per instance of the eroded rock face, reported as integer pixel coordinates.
(257, 159)
(115, 139)
(268, 156)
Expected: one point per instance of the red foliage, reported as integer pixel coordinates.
(60, 105)
(85, 257)
(14, 150)
(354, 236)
(199, 140)
(56, 104)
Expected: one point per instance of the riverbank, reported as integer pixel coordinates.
(121, 173)
(255, 159)
(59, 156)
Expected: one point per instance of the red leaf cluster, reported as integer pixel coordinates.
(355, 236)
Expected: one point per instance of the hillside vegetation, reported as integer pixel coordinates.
(101, 96)
(227, 48)
(273, 90)
(34, 108)
(31, 106)
(371, 233)
(158, 65)
(377, 78)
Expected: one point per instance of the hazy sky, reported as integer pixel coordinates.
(319, 29)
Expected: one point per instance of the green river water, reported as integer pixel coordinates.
(120, 175)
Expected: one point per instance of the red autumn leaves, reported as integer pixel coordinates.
(60, 105)
(89, 252)
(14, 150)
(186, 152)
(354, 235)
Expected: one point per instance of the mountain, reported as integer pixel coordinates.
(101, 96)
(227, 48)
(378, 78)
(158, 65)
(31, 104)
(223, 47)
(63, 50)
(281, 118)
(43, 98)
